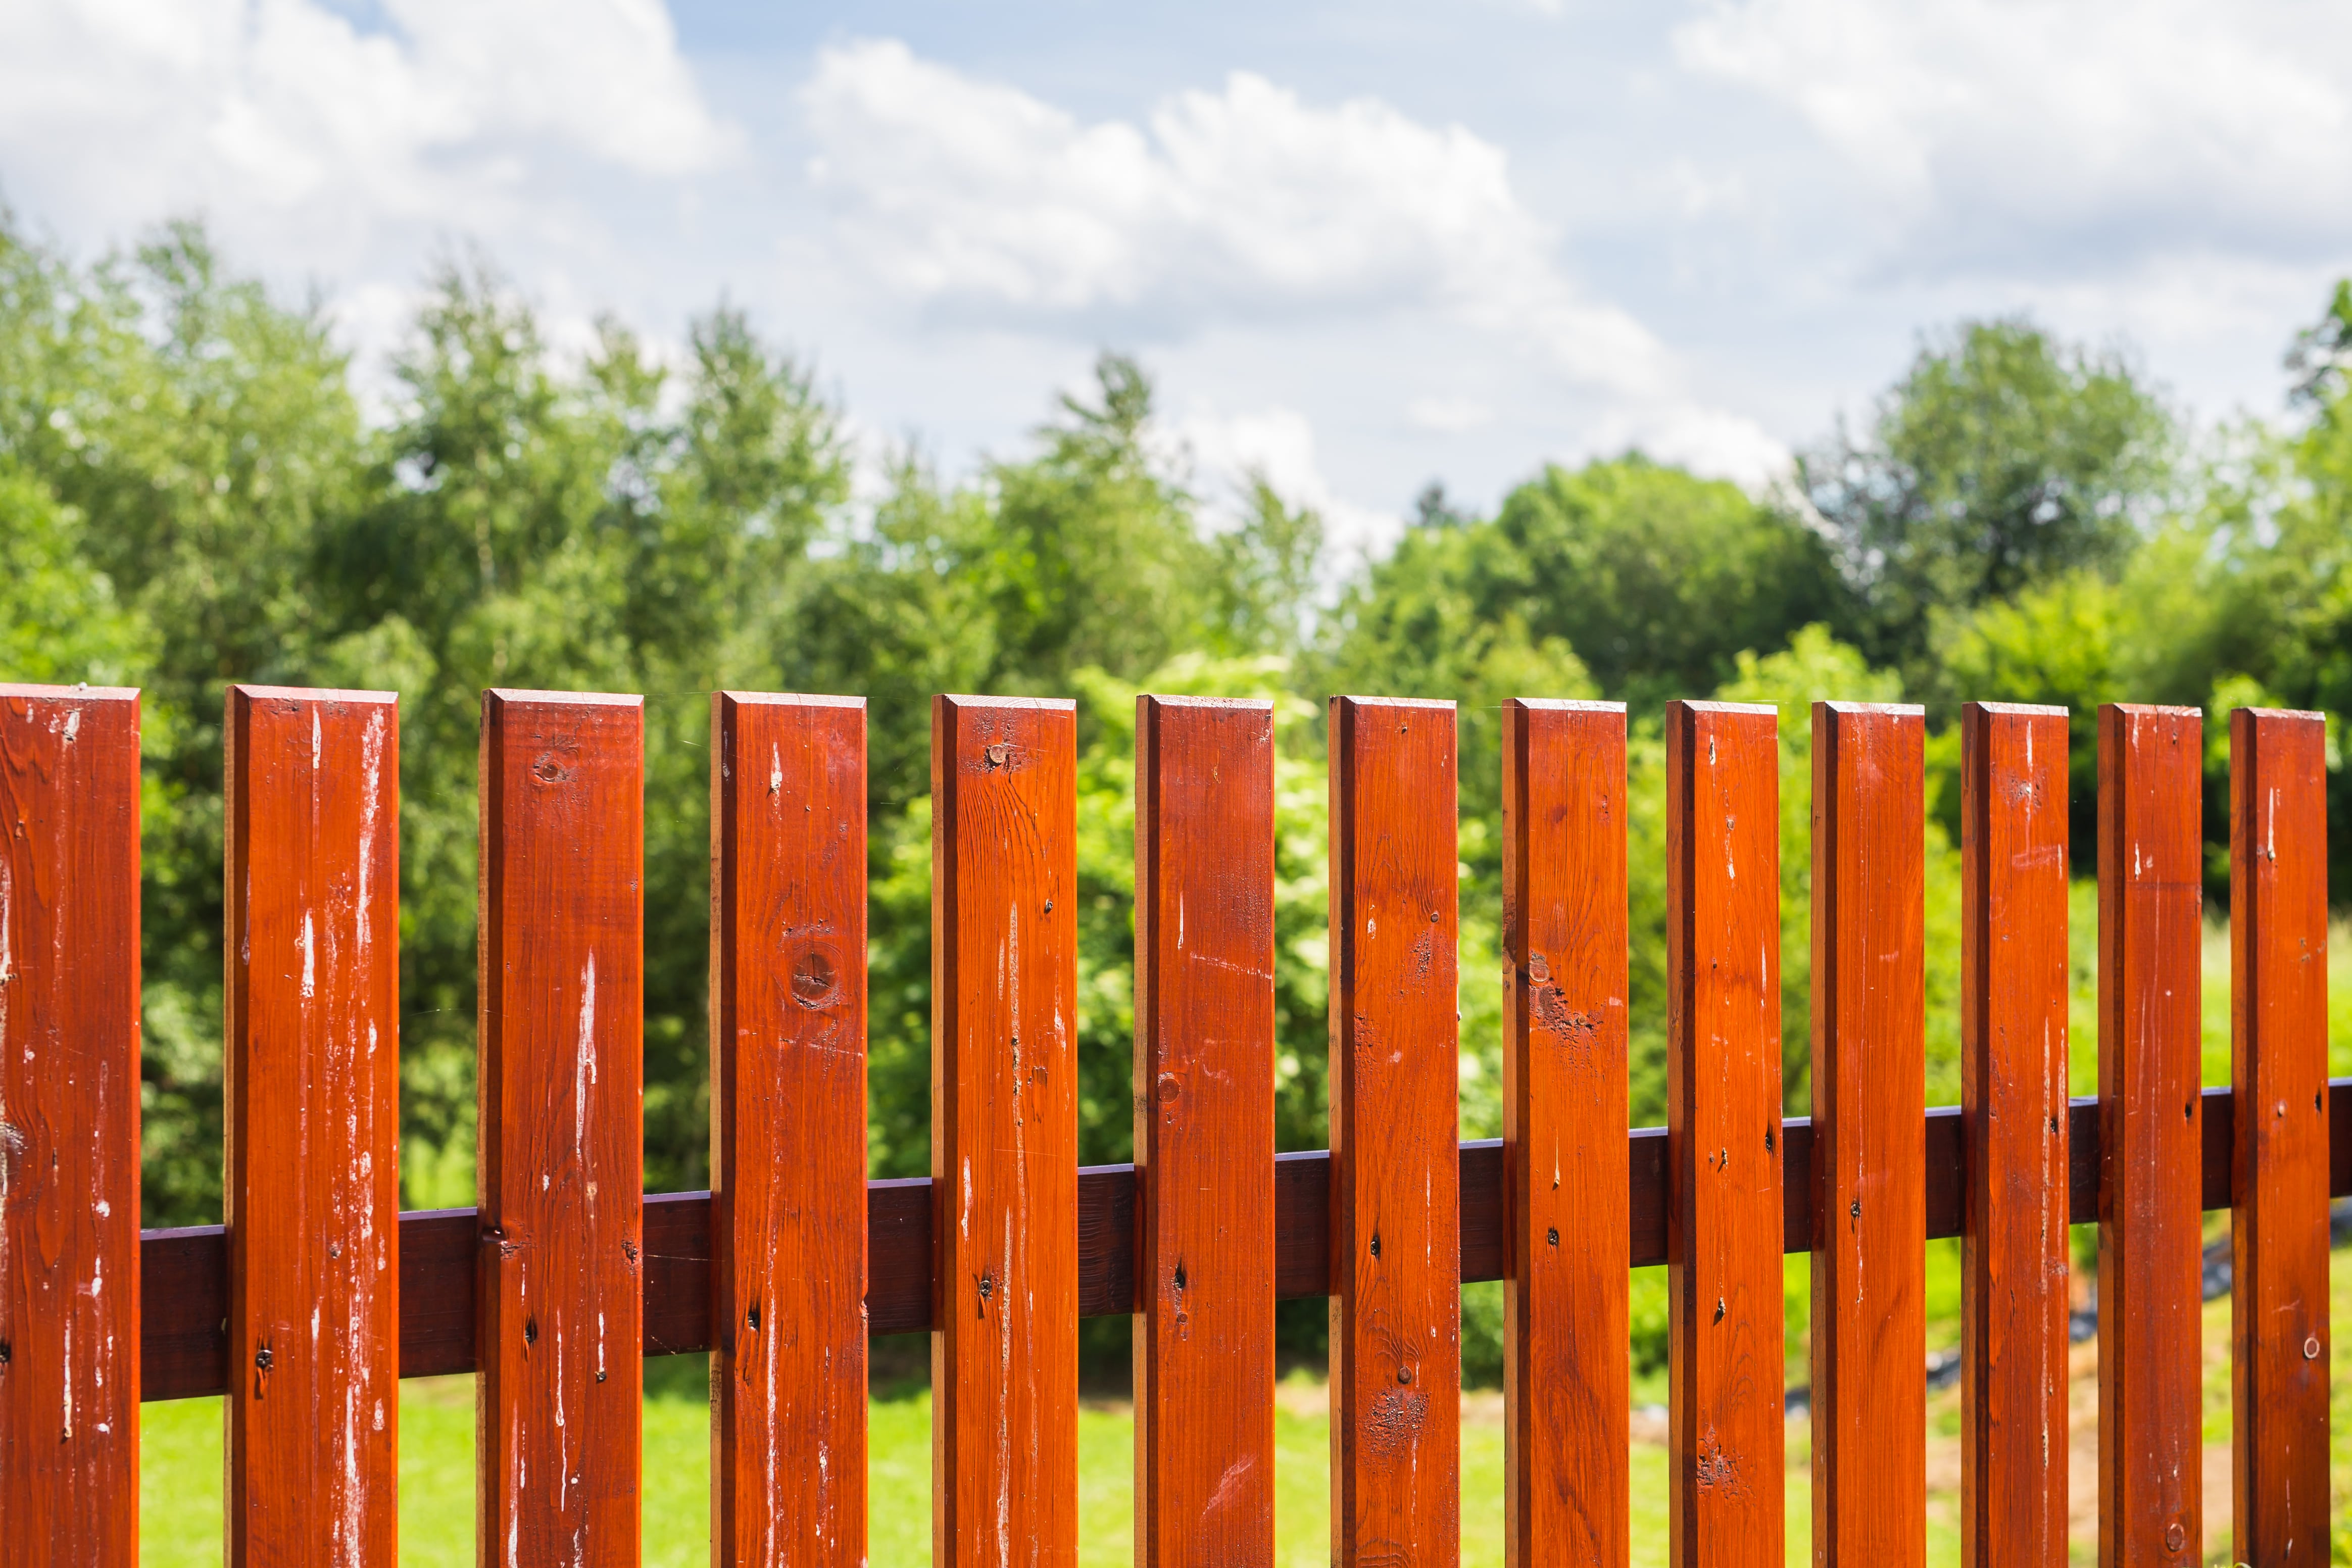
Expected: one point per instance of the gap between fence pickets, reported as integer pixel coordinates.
(185, 1284)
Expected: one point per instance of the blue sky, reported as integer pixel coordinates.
(1360, 246)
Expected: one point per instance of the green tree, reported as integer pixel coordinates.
(1655, 579)
(2001, 458)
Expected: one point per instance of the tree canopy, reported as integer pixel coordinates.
(191, 495)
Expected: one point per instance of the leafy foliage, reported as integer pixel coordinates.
(189, 496)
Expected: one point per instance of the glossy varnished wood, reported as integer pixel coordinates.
(69, 1242)
(312, 1080)
(1004, 1133)
(1869, 1066)
(1396, 1302)
(1723, 1107)
(2151, 903)
(1565, 1498)
(2013, 983)
(1204, 1132)
(2278, 1030)
(787, 1131)
(561, 1128)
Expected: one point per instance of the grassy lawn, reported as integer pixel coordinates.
(181, 1480)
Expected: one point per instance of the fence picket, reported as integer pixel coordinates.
(313, 1083)
(788, 1121)
(1565, 1428)
(1723, 1110)
(2013, 1303)
(2278, 1007)
(1005, 1133)
(69, 1246)
(1204, 1028)
(561, 1128)
(2151, 902)
(1869, 1068)
(1396, 1298)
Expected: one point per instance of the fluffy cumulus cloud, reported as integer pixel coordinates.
(1223, 452)
(2061, 138)
(306, 135)
(1237, 203)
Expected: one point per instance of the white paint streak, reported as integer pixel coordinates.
(308, 942)
(776, 770)
(371, 804)
(585, 1073)
(73, 725)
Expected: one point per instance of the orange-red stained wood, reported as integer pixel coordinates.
(2013, 1251)
(2151, 910)
(1870, 1194)
(1396, 1226)
(1005, 1133)
(69, 1126)
(787, 1131)
(1565, 1496)
(312, 1061)
(1723, 1121)
(1204, 1132)
(561, 1172)
(2278, 1029)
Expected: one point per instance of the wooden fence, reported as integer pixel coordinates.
(319, 1293)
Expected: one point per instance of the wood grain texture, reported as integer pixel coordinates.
(787, 1131)
(2278, 1071)
(1869, 1074)
(563, 1128)
(1005, 1133)
(1728, 1445)
(2151, 904)
(69, 1242)
(2013, 1252)
(1205, 1028)
(1396, 1298)
(312, 1080)
(1565, 1435)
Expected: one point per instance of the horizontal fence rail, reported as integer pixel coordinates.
(183, 1354)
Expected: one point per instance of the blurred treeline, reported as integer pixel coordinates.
(191, 495)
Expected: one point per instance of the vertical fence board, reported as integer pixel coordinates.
(1566, 1496)
(1723, 1110)
(788, 1130)
(313, 1084)
(1204, 1028)
(2013, 984)
(2151, 902)
(1005, 1133)
(561, 1166)
(69, 1126)
(1869, 1070)
(2278, 1016)
(1396, 1247)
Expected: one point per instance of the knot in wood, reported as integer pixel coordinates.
(815, 977)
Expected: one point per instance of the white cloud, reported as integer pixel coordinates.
(1447, 415)
(2062, 136)
(1228, 450)
(306, 137)
(1242, 202)
(1241, 210)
